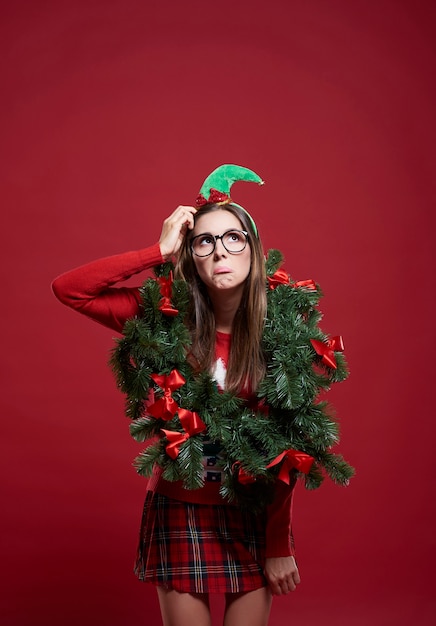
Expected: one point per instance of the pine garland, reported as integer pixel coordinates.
(250, 440)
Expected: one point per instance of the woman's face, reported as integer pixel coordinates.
(221, 270)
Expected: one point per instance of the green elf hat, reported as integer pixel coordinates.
(216, 187)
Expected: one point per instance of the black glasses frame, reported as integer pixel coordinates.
(215, 239)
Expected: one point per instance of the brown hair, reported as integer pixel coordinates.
(246, 366)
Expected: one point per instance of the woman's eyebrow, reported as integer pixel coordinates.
(203, 234)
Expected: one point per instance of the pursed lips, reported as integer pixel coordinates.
(222, 270)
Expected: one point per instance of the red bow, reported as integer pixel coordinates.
(280, 277)
(307, 284)
(327, 350)
(166, 407)
(165, 305)
(192, 423)
(243, 477)
(293, 459)
(176, 439)
(215, 196)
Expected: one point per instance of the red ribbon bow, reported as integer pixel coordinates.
(215, 197)
(192, 423)
(165, 305)
(307, 284)
(327, 350)
(243, 477)
(293, 459)
(175, 441)
(280, 277)
(166, 407)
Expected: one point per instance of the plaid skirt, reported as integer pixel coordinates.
(200, 548)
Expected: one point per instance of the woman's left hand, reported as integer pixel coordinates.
(282, 574)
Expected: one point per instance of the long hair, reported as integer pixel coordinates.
(246, 366)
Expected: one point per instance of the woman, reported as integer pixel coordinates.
(193, 541)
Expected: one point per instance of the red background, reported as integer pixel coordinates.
(113, 113)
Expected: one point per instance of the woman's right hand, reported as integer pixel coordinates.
(174, 230)
(282, 574)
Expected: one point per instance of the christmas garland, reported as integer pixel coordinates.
(164, 397)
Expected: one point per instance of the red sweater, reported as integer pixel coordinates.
(89, 289)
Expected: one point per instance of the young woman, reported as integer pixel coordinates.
(194, 542)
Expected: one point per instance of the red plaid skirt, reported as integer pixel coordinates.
(200, 548)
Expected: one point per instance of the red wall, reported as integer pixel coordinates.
(112, 114)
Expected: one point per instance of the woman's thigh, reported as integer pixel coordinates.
(248, 609)
(183, 609)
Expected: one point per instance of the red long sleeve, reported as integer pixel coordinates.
(89, 288)
(279, 539)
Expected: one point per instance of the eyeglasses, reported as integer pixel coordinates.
(234, 241)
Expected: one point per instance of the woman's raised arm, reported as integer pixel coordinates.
(89, 289)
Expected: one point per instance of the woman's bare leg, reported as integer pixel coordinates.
(183, 609)
(248, 609)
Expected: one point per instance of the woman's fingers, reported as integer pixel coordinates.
(174, 229)
(282, 574)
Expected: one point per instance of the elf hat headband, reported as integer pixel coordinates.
(216, 187)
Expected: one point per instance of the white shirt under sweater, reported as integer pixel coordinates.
(211, 472)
